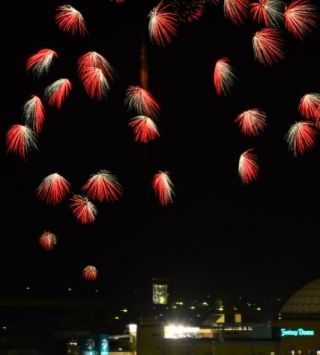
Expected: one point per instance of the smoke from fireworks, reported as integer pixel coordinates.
(57, 92)
(248, 168)
(53, 189)
(40, 62)
(70, 20)
(90, 273)
(48, 240)
(252, 122)
(33, 112)
(267, 12)
(142, 101)
(223, 77)
(84, 210)
(163, 187)
(301, 137)
(144, 128)
(21, 140)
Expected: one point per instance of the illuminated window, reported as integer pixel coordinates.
(160, 294)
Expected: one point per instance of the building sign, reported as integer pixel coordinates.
(298, 332)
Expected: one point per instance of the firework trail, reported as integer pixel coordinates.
(189, 11)
(53, 189)
(20, 140)
(267, 12)
(163, 187)
(309, 107)
(33, 113)
(90, 273)
(57, 92)
(40, 62)
(84, 210)
(103, 186)
(300, 18)
(267, 46)
(144, 129)
(236, 11)
(162, 24)
(248, 168)
(301, 137)
(48, 240)
(142, 101)
(252, 122)
(70, 20)
(223, 77)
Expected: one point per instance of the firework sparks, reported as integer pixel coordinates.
(236, 10)
(57, 92)
(189, 11)
(90, 273)
(223, 77)
(96, 60)
(309, 107)
(144, 128)
(252, 122)
(48, 240)
(20, 140)
(84, 210)
(267, 46)
(142, 101)
(40, 62)
(103, 186)
(33, 112)
(301, 137)
(163, 187)
(53, 189)
(267, 12)
(300, 18)
(70, 20)
(248, 168)
(162, 24)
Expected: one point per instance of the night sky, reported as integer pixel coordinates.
(218, 235)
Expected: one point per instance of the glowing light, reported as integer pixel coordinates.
(142, 101)
(70, 20)
(144, 128)
(84, 210)
(57, 92)
(236, 10)
(252, 122)
(301, 137)
(48, 240)
(309, 106)
(173, 331)
(40, 62)
(90, 273)
(267, 12)
(33, 112)
(163, 187)
(53, 189)
(248, 167)
(21, 140)
(223, 77)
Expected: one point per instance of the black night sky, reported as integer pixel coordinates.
(218, 235)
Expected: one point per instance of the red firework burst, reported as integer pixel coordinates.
(33, 112)
(301, 137)
(163, 187)
(40, 62)
(103, 186)
(309, 107)
(248, 167)
(144, 128)
(252, 122)
(236, 10)
(57, 92)
(267, 46)
(267, 12)
(223, 77)
(48, 240)
(90, 273)
(20, 140)
(70, 20)
(142, 101)
(53, 189)
(84, 210)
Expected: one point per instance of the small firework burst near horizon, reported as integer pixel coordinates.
(21, 140)
(163, 187)
(267, 12)
(103, 186)
(90, 273)
(84, 210)
(53, 189)
(309, 107)
(223, 76)
(301, 137)
(189, 10)
(142, 101)
(162, 24)
(252, 122)
(248, 168)
(268, 46)
(144, 129)
(69, 19)
(236, 11)
(300, 18)
(56, 93)
(40, 62)
(33, 113)
(48, 240)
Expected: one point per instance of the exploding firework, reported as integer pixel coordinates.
(53, 189)
(90, 273)
(144, 128)
(40, 62)
(163, 187)
(267, 12)
(142, 101)
(162, 24)
(301, 137)
(57, 92)
(236, 10)
(309, 107)
(300, 18)
(252, 122)
(70, 20)
(103, 186)
(20, 140)
(48, 240)
(84, 210)
(33, 112)
(95, 60)
(223, 77)
(267, 46)
(248, 168)
(189, 10)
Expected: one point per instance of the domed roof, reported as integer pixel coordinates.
(304, 301)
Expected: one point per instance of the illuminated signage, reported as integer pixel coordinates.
(299, 332)
(97, 344)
